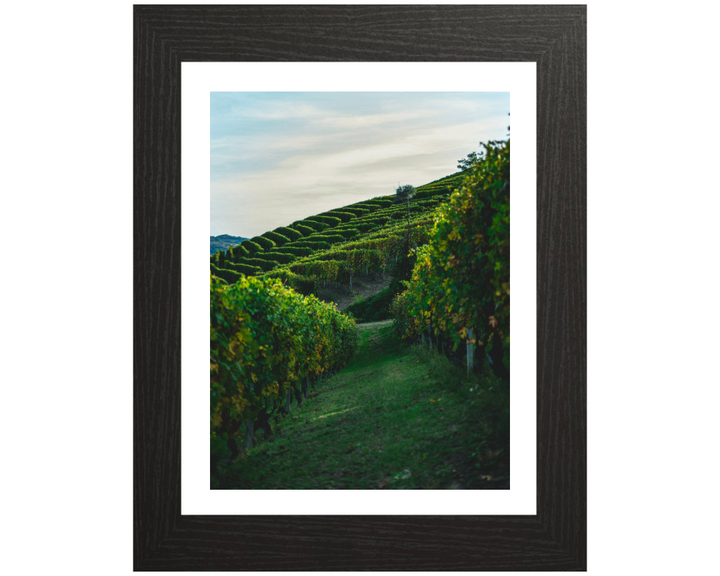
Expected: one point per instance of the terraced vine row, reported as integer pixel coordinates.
(460, 286)
(325, 247)
(268, 343)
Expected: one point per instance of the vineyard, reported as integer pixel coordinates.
(276, 339)
(330, 248)
(268, 344)
(397, 417)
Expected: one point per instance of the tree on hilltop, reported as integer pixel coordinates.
(404, 194)
(474, 158)
(471, 160)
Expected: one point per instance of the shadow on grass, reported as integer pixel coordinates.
(398, 417)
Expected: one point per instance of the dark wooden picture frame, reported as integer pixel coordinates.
(554, 37)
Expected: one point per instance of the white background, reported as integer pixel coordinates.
(67, 292)
(198, 81)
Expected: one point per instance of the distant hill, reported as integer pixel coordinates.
(223, 242)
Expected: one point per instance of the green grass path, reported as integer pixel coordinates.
(397, 417)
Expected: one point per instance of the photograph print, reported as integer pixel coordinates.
(360, 290)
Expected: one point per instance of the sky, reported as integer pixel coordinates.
(278, 157)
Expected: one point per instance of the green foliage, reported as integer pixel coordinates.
(393, 408)
(263, 264)
(304, 229)
(257, 285)
(375, 203)
(334, 270)
(372, 252)
(468, 162)
(363, 227)
(462, 277)
(451, 180)
(404, 193)
(403, 319)
(401, 211)
(289, 233)
(375, 222)
(344, 215)
(264, 339)
(371, 206)
(313, 244)
(374, 308)
(279, 257)
(329, 220)
(297, 282)
(228, 276)
(234, 253)
(329, 238)
(293, 249)
(356, 210)
(244, 268)
(265, 243)
(347, 233)
(252, 247)
(434, 193)
(316, 226)
(278, 239)
(363, 237)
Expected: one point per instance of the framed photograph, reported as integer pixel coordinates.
(193, 66)
(289, 142)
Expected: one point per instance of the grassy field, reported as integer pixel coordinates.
(397, 417)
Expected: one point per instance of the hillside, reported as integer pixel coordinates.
(343, 255)
(419, 402)
(223, 242)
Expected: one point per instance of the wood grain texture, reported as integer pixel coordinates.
(552, 36)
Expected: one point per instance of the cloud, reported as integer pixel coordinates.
(361, 121)
(289, 159)
(271, 112)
